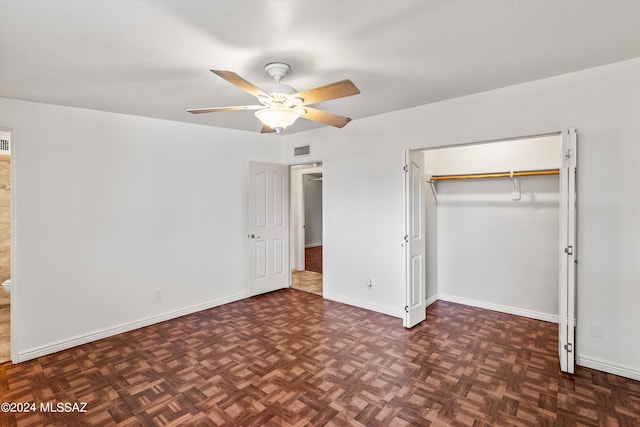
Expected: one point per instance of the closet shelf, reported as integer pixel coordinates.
(436, 178)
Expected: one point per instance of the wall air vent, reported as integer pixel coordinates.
(5, 147)
(302, 151)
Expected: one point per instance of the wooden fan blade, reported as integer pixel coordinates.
(328, 92)
(235, 79)
(326, 118)
(267, 129)
(218, 109)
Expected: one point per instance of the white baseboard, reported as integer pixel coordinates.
(363, 304)
(23, 356)
(554, 318)
(431, 300)
(609, 367)
(312, 245)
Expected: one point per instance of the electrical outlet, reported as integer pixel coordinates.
(157, 295)
(369, 283)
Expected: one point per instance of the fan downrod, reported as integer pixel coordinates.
(277, 70)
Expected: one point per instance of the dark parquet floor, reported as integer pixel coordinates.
(290, 358)
(313, 259)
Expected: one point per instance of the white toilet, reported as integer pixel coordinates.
(6, 285)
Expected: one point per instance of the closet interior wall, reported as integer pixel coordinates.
(494, 246)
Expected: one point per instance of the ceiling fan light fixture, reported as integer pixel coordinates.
(280, 105)
(278, 118)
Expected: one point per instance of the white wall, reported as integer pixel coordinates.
(312, 211)
(364, 201)
(499, 253)
(431, 236)
(524, 154)
(296, 201)
(494, 251)
(109, 208)
(362, 190)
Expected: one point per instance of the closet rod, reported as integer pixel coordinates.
(496, 175)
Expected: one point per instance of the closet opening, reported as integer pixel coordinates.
(497, 209)
(492, 225)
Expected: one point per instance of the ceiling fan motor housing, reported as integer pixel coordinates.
(278, 88)
(277, 70)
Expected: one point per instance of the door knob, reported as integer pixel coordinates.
(253, 236)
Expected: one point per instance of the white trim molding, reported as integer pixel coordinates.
(606, 366)
(363, 304)
(23, 356)
(431, 300)
(546, 317)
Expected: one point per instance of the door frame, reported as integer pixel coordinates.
(567, 252)
(13, 309)
(297, 235)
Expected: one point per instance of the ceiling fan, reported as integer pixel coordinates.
(281, 105)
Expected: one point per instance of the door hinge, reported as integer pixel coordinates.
(406, 308)
(406, 168)
(569, 347)
(567, 154)
(406, 238)
(569, 250)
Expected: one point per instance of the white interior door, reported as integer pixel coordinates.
(268, 227)
(415, 309)
(567, 285)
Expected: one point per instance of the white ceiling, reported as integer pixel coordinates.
(151, 58)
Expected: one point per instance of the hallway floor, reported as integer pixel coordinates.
(313, 259)
(308, 281)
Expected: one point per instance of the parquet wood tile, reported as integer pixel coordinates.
(308, 281)
(290, 358)
(313, 259)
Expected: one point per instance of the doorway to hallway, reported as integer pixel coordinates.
(5, 245)
(306, 228)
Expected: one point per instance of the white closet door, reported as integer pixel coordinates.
(415, 309)
(567, 285)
